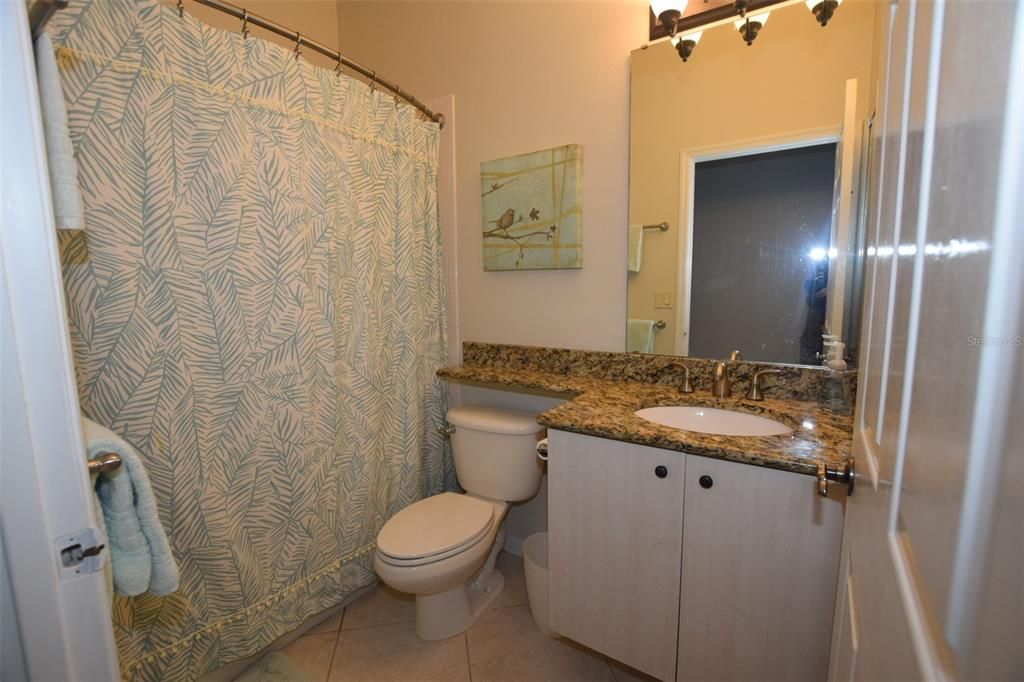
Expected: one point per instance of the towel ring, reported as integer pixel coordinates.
(105, 463)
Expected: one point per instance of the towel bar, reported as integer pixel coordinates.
(663, 227)
(105, 463)
(660, 324)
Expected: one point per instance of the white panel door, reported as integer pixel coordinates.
(933, 530)
(61, 619)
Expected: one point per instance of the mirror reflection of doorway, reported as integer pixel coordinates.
(759, 254)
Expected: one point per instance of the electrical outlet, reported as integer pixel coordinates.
(662, 299)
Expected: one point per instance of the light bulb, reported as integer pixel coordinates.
(661, 6)
(669, 12)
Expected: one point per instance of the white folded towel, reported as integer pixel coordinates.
(639, 336)
(636, 248)
(67, 200)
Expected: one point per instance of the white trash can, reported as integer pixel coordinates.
(535, 566)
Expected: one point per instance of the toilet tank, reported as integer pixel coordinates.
(495, 452)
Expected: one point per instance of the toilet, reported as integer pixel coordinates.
(443, 548)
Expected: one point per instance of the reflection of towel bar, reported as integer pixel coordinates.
(105, 463)
(657, 226)
(660, 324)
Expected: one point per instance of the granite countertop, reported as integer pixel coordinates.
(603, 407)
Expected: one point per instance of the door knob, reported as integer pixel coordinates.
(661, 471)
(706, 481)
(847, 475)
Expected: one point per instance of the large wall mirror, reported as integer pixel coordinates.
(747, 185)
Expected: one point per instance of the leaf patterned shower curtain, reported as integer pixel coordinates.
(257, 305)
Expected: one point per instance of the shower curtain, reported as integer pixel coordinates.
(257, 305)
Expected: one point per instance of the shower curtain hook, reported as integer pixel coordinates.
(373, 83)
(337, 67)
(298, 45)
(245, 24)
(181, 9)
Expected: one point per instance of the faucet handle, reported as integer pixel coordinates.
(687, 386)
(735, 356)
(755, 392)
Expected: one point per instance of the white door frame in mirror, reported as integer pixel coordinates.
(688, 159)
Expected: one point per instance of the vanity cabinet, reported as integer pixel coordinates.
(703, 570)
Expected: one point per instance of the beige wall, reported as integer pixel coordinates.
(317, 19)
(525, 76)
(791, 79)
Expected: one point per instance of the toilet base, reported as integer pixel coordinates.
(444, 615)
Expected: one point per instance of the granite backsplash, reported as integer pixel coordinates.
(797, 382)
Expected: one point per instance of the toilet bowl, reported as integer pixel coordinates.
(443, 548)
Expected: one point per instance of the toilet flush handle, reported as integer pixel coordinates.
(542, 449)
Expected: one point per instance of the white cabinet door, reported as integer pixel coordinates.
(615, 540)
(760, 562)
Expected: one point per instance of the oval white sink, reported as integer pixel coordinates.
(712, 420)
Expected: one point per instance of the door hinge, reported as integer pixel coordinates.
(80, 553)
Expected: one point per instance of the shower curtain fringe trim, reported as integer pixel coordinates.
(177, 647)
(66, 57)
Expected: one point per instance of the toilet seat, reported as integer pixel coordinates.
(434, 528)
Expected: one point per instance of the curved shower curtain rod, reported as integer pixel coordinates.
(40, 12)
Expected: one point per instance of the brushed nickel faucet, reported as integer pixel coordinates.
(755, 392)
(721, 385)
(686, 386)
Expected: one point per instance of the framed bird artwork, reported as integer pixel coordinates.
(533, 210)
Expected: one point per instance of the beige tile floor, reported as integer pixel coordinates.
(374, 640)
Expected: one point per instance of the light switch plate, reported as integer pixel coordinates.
(662, 299)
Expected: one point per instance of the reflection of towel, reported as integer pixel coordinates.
(636, 248)
(639, 336)
(67, 201)
(139, 553)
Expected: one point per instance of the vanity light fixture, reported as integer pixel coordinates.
(823, 9)
(749, 27)
(741, 7)
(669, 12)
(684, 44)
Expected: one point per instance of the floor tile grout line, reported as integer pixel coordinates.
(469, 660)
(334, 651)
(377, 625)
(611, 670)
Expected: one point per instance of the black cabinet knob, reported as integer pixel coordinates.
(706, 482)
(661, 471)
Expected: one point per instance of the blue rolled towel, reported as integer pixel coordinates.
(140, 555)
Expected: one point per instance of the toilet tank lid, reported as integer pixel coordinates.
(494, 420)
